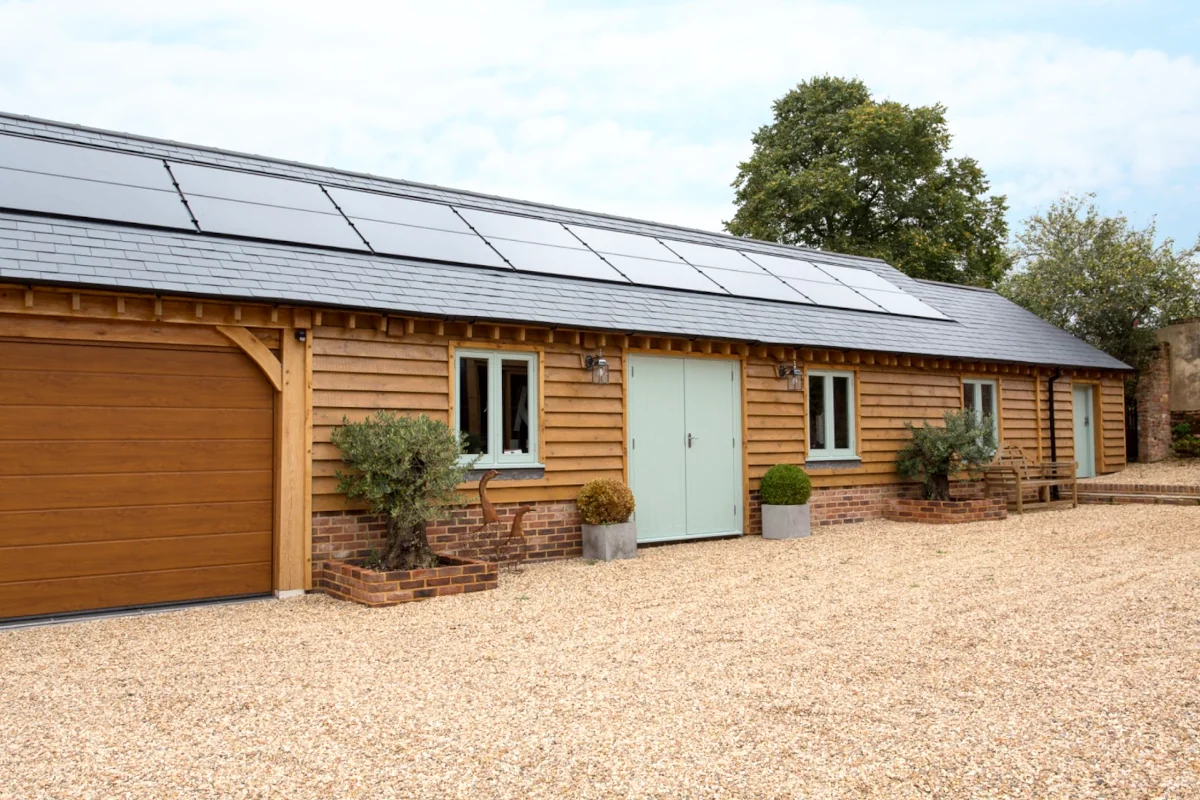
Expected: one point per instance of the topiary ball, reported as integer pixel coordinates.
(605, 501)
(785, 485)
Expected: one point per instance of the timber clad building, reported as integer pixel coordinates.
(181, 329)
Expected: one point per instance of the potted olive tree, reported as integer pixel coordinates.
(964, 442)
(605, 506)
(407, 470)
(784, 493)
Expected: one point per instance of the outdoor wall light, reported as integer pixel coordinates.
(792, 373)
(598, 367)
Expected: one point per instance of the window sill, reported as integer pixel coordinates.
(509, 472)
(837, 462)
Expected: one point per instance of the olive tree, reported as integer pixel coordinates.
(964, 441)
(407, 470)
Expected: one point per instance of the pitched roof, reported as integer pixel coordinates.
(983, 325)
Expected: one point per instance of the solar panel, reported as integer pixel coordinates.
(648, 272)
(789, 267)
(902, 303)
(397, 210)
(703, 255)
(70, 161)
(244, 187)
(272, 222)
(749, 284)
(428, 243)
(834, 295)
(624, 244)
(491, 225)
(53, 194)
(859, 278)
(566, 261)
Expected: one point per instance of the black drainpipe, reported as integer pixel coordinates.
(1053, 425)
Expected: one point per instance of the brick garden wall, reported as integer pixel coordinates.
(551, 530)
(1154, 407)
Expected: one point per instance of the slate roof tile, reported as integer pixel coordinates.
(985, 326)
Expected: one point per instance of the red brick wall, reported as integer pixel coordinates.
(838, 505)
(941, 512)
(1154, 407)
(551, 530)
(453, 576)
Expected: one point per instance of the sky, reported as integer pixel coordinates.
(642, 108)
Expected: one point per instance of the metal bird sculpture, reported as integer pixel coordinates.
(516, 534)
(489, 511)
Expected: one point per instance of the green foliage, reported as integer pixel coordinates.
(840, 171)
(1101, 279)
(1183, 442)
(785, 485)
(405, 468)
(965, 441)
(605, 501)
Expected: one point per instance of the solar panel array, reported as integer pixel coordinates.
(57, 178)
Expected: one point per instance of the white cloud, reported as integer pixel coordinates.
(640, 110)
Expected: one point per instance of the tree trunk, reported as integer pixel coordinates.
(937, 487)
(407, 548)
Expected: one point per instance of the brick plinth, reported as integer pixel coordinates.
(1154, 407)
(943, 512)
(349, 581)
(551, 530)
(838, 505)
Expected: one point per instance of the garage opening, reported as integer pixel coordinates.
(131, 475)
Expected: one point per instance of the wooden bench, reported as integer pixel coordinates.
(1012, 472)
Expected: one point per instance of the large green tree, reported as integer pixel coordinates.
(840, 171)
(1100, 278)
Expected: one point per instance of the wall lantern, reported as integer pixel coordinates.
(598, 366)
(792, 373)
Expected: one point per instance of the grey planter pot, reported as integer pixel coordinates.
(609, 542)
(786, 522)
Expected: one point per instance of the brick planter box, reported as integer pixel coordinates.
(944, 512)
(348, 580)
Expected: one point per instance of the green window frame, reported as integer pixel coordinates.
(978, 394)
(830, 415)
(487, 381)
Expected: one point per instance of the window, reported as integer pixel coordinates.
(831, 415)
(495, 407)
(981, 397)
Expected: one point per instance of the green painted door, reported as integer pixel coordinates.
(685, 446)
(713, 429)
(656, 455)
(1085, 436)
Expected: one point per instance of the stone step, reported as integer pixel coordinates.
(1163, 489)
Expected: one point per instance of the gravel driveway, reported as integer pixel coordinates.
(1055, 654)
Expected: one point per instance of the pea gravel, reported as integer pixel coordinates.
(1172, 472)
(1051, 655)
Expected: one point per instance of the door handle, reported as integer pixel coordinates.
(690, 438)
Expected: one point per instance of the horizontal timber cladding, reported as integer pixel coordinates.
(1112, 424)
(357, 371)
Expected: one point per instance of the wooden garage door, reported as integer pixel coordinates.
(131, 475)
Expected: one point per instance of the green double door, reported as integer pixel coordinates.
(685, 465)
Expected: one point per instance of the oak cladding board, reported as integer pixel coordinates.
(358, 371)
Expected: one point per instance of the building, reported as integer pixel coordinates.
(181, 328)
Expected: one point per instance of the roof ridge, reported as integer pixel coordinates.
(400, 182)
(950, 285)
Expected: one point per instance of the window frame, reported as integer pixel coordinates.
(832, 453)
(496, 458)
(977, 383)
